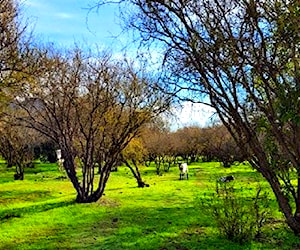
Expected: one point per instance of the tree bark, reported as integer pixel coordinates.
(19, 175)
(136, 174)
(293, 220)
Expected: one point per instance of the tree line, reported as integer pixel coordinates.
(190, 144)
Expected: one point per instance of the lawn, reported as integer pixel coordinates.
(40, 213)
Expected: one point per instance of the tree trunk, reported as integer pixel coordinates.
(147, 164)
(293, 220)
(69, 166)
(9, 164)
(157, 165)
(94, 197)
(297, 212)
(136, 174)
(19, 175)
(226, 164)
(83, 197)
(85, 193)
(193, 158)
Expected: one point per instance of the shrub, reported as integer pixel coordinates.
(238, 217)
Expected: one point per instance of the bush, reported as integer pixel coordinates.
(238, 217)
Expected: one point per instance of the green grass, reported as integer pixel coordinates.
(40, 213)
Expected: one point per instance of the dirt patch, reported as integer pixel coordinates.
(193, 231)
(107, 202)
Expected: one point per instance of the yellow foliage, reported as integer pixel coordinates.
(135, 150)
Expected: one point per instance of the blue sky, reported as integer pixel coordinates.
(65, 22)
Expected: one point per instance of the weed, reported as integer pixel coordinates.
(238, 217)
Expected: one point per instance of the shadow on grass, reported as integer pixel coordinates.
(122, 188)
(115, 227)
(166, 228)
(18, 195)
(23, 211)
(137, 228)
(46, 170)
(42, 167)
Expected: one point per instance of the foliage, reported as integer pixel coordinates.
(239, 218)
(134, 154)
(45, 151)
(135, 151)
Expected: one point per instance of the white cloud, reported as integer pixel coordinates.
(192, 114)
(64, 15)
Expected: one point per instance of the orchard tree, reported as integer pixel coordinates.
(14, 146)
(17, 147)
(132, 156)
(242, 58)
(12, 48)
(157, 143)
(91, 106)
(6, 147)
(189, 143)
(9, 37)
(218, 145)
(152, 140)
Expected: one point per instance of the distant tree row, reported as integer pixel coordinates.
(190, 144)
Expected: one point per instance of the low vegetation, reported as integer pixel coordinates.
(40, 212)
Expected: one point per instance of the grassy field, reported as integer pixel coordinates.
(40, 213)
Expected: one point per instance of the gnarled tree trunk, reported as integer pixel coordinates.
(136, 173)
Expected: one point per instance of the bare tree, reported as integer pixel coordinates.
(91, 106)
(244, 56)
(16, 147)
(190, 143)
(12, 38)
(156, 142)
(217, 144)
